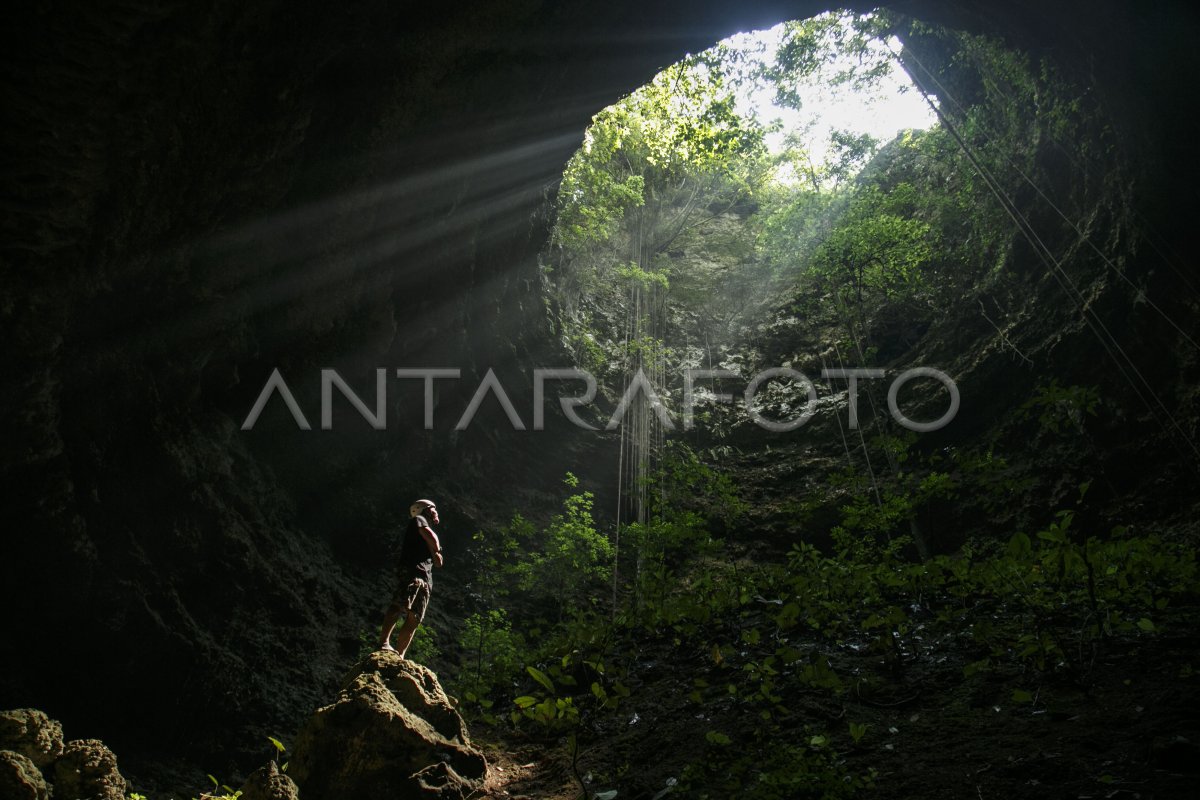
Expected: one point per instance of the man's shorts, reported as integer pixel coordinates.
(412, 597)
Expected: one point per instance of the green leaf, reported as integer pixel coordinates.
(716, 737)
(1019, 546)
(1146, 625)
(542, 678)
(1021, 696)
(1054, 534)
(278, 744)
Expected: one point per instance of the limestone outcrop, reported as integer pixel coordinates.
(392, 732)
(20, 779)
(32, 734)
(35, 763)
(268, 783)
(87, 770)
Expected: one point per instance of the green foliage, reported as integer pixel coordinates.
(810, 48)
(767, 635)
(894, 228)
(650, 151)
(772, 768)
(1056, 406)
(573, 556)
(423, 648)
(280, 750)
(368, 642)
(560, 700)
(588, 352)
(561, 564)
(635, 274)
(573, 690)
(690, 490)
(219, 791)
(873, 250)
(499, 559)
(653, 171)
(493, 653)
(882, 507)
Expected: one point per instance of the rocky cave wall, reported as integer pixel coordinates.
(198, 195)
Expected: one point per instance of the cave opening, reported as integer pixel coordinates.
(836, 197)
(209, 203)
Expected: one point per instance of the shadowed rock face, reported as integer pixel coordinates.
(20, 779)
(32, 734)
(391, 732)
(268, 783)
(35, 764)
(88, 769)
(198, 194)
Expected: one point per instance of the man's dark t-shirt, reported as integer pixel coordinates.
(415, 559)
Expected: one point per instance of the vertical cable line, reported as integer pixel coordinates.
(1082, 236)
(862, 439)
(841, 430)
(1106, 339)
(621, 468)
(1168, 259)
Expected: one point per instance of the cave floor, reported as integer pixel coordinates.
(1129, 727)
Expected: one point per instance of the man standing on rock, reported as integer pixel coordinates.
(419, 554)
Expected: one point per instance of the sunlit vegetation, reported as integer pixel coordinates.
(1032, 613)
(686, 236)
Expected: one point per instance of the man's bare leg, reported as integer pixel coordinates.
(389, 623)
(405, 635)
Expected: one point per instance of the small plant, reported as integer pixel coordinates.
(562, 705)
(424, 647)
(280, 749)
(220, 791)
(1057, 406)
(494, 653)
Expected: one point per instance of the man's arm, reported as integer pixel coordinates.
(432, 542)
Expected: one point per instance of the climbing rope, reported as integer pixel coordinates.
(1111, 346)
(1083, 237)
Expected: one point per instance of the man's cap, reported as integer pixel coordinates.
(420, 505)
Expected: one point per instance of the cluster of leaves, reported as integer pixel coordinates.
(221, 791)
(1055, 406)
(678, 128)
(906, 225)
(563, 566)
(770, 768)
(1040, 605)
(653, 170)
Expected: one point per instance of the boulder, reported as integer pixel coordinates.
(391, 733)
(87, 770)
(268, 783)
(20, 779)
(32, 734)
